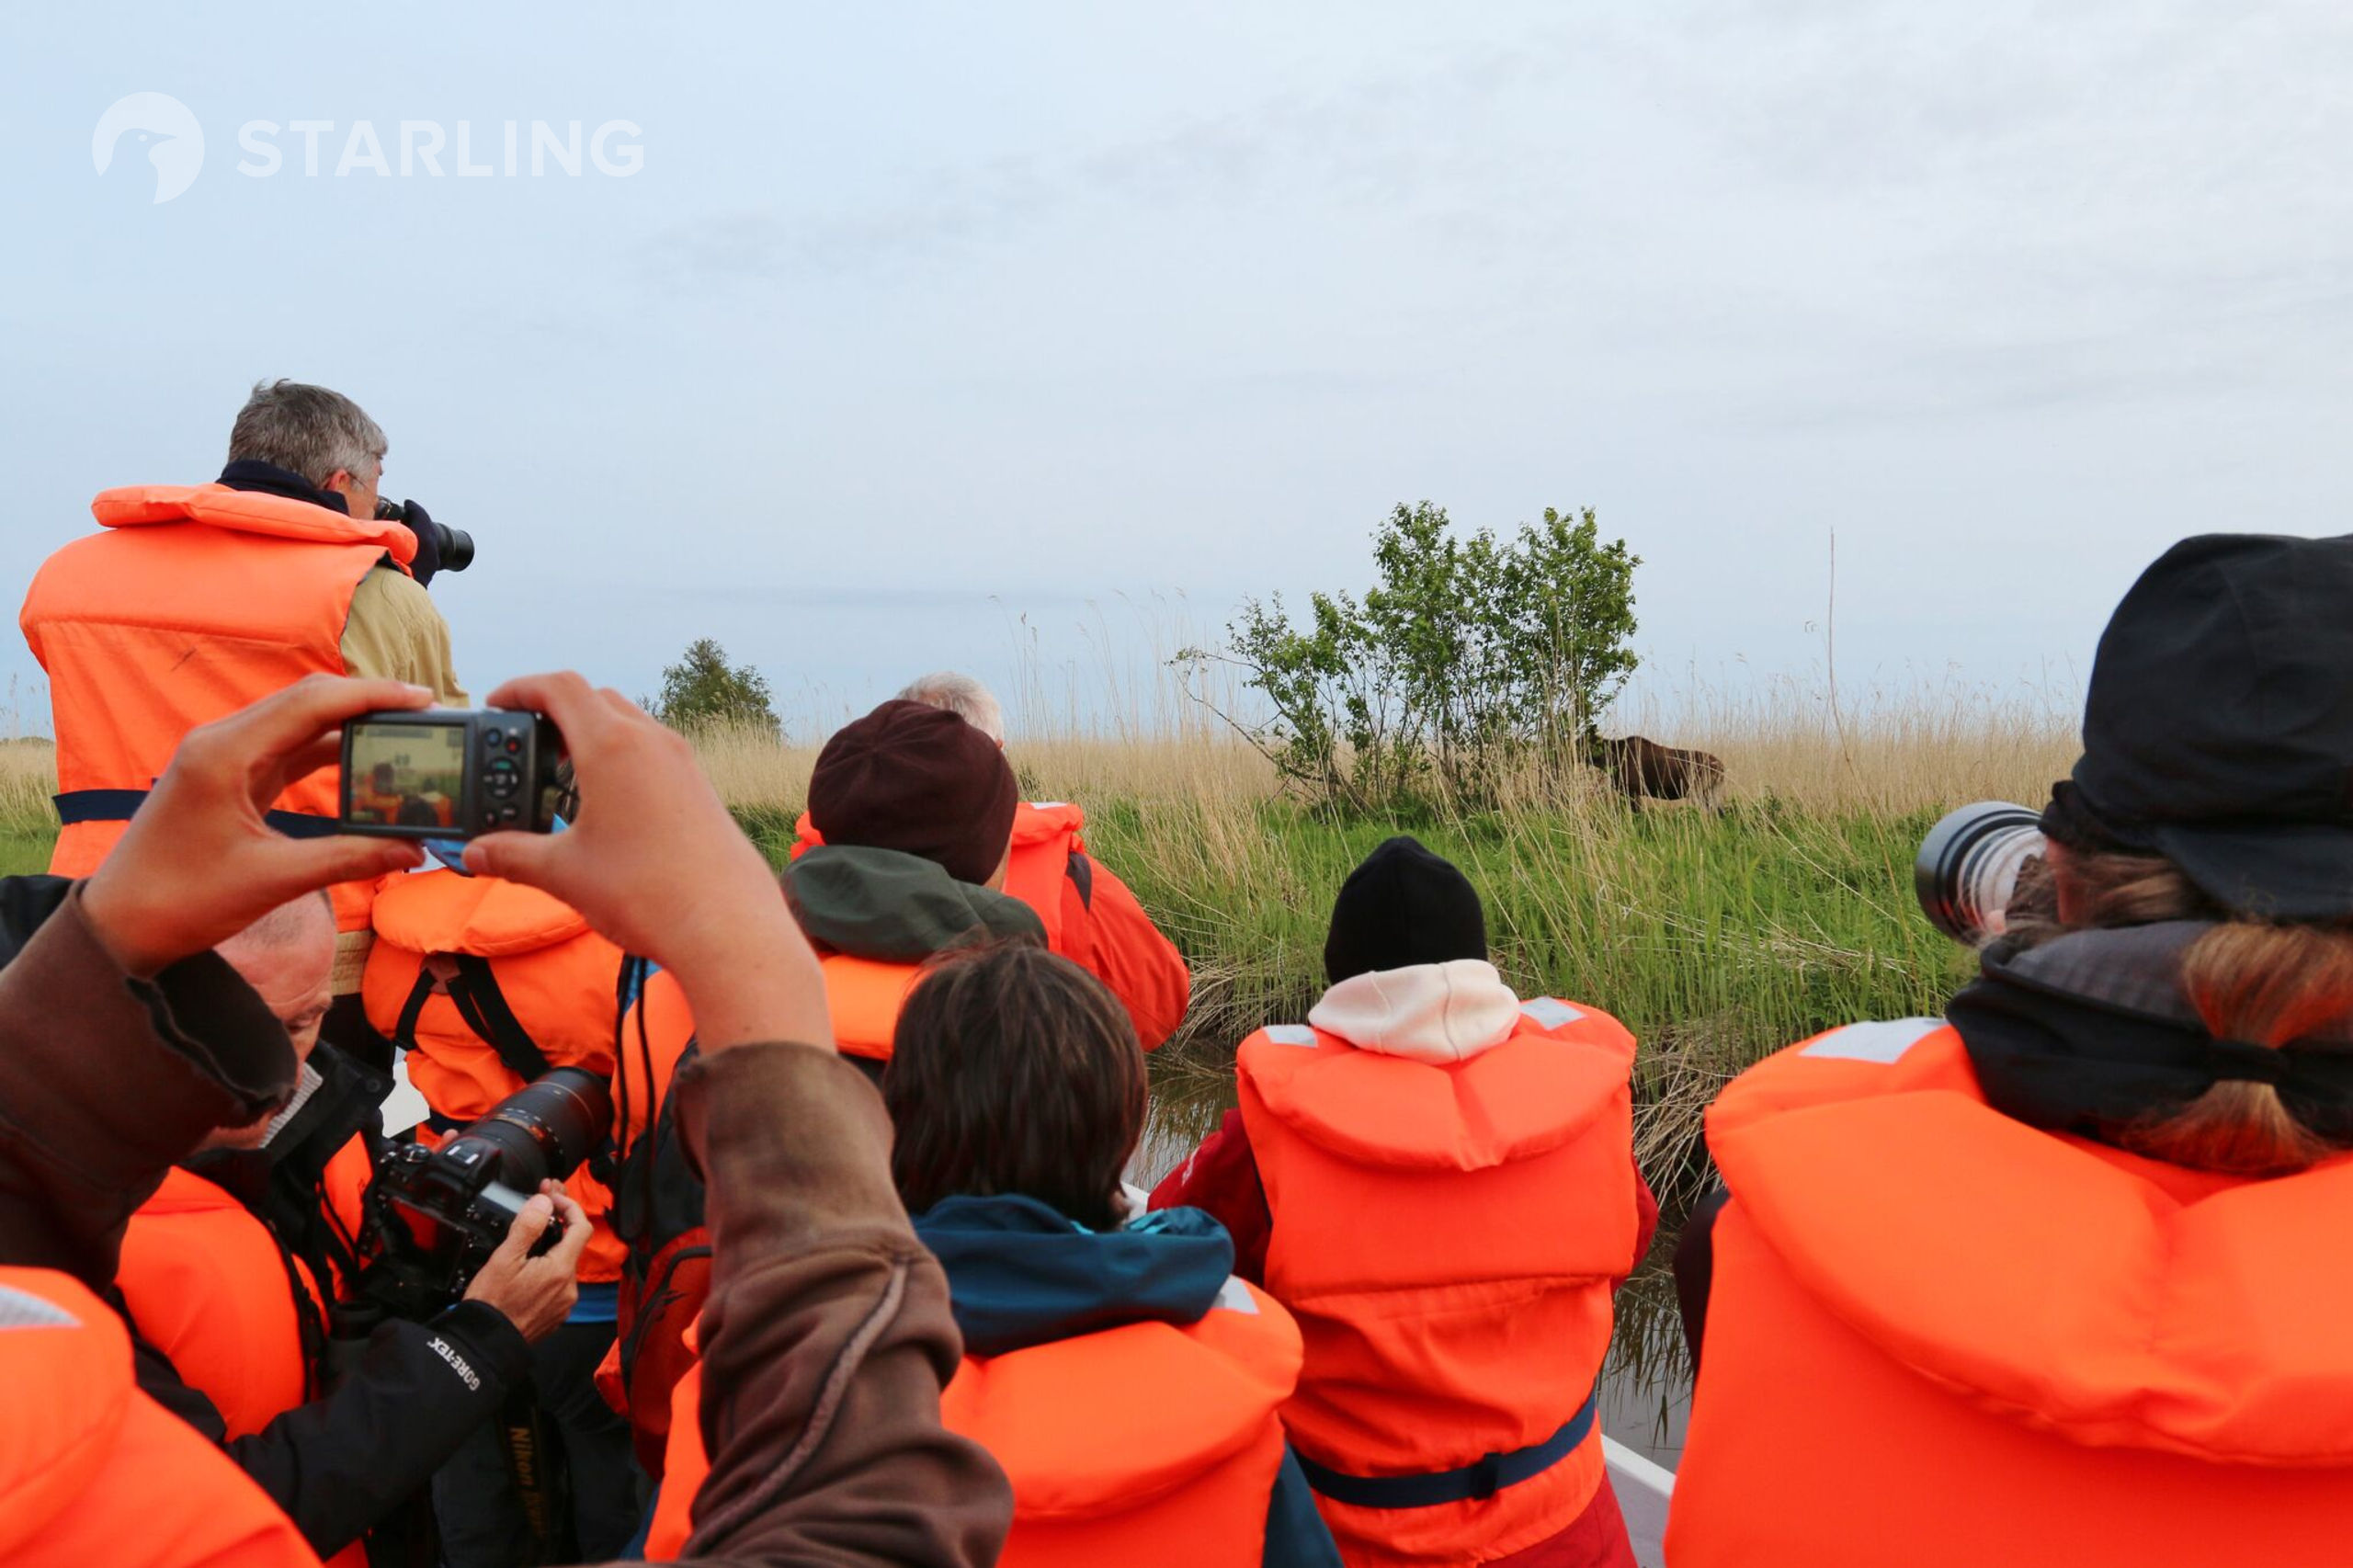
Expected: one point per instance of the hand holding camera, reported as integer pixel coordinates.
(534, 1289)
(658, 866)
(199, 861)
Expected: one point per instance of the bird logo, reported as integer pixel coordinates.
(162, 125)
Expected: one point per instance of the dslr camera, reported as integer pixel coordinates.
(1968, 868)
(451, 773)
(437, 1214)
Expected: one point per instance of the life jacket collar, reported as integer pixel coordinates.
(1555, 1071)
(67, 1361)
(249, 511)
(443, 912)
(1042, 821)
(2078, 1289)
(1096, 1426)
(186, 1192)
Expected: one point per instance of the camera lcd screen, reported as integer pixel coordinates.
(406, 775)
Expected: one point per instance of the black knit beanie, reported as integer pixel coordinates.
(1403, 906)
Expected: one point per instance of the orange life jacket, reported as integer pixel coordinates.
(1447, 1236)
(658, 1211)
(94, 1471)
(344, 1184)
(209, 1287)
(666, 1277)
(194, 601)
(1939, 1337)
(1046, 833)
(865, 998)
(1146, 1444)
(487, 985)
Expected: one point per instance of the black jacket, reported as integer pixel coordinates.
(360, 1452)
(353, 1459)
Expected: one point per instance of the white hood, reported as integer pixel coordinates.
(1434, 1012)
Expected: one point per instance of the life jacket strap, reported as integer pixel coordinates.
(116, 805)
(1473, 1482)
(484, 1009)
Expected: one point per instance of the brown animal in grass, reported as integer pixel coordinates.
(1642, 769)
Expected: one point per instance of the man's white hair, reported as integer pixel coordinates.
(963, 696)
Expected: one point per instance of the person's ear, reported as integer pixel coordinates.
(339, 482)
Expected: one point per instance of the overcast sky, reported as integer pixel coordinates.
(915, 320)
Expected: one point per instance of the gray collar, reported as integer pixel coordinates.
(2133, 969)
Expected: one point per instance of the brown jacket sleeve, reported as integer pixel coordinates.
(827, 1337)
(105, 1081)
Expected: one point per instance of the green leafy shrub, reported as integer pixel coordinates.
(703, 691)
(1467, 658)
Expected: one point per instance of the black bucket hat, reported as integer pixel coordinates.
(2218, 731)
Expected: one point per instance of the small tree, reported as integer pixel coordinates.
(1569, 621)
(702, 688)
(1466, 654)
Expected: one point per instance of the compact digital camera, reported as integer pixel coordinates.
(451, 773)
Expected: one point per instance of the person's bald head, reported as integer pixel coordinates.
(287, 957)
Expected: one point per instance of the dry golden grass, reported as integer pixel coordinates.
(27, 779)
(28, 774)
(1890, 753)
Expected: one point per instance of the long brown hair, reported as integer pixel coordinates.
(1013, 1070)
(2262, 981)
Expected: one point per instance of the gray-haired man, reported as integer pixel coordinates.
(192, 601)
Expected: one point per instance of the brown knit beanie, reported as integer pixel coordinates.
(918, 779)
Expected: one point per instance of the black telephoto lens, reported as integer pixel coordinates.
(456, 548)
(546, 1129)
